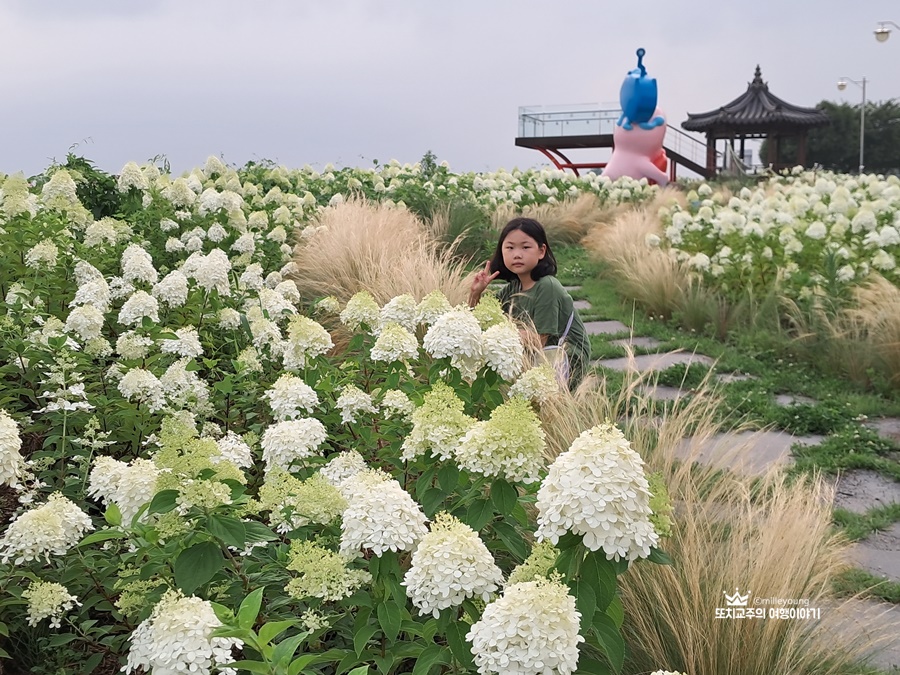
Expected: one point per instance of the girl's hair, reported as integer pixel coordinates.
(545, 267)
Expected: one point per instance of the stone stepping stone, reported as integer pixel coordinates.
(581, 304)
(572, 288)
(654, 362)
(787, 400)
(727, 378)
(866, 622)
(879, 553)
(748, 452)
(887, 427)
(863, 489)
(642, 342)
(663, 393)
(605, 327)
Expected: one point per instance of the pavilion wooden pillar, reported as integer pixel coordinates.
(772, 151)
(801, 149)
(711, 154)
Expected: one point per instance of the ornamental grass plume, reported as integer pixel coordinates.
(177, 638)
(449, 565)
(597, 488)
(670, 610)
(49, 529)
(532, 628)
(383, 249)
(438, 425)
(510, 444)
(566, 221)
(380, 515)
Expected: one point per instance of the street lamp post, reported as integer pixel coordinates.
(841, 85)
(882, 32)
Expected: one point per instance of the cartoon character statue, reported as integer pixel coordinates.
(640, 131)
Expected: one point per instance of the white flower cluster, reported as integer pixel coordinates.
(137, 265)
(503, 350)
(290, 442)
(400, 310)
(12, 463)
(210, 271)
(232, 448)
(187, 343)
(438, 425)
(531, 629)
(395, 343)
(361, 309)
(50, 529)
(457, 334)
(48, 600)
(342, 467)
(509, 444)
(177, 638)
(143, 386)
(139, 305)
(667, 672)
(290, 397)
(380, 515)
(431, 307)
(536, 384)
(306, 340)
(597, 488)
(352, 402)
(395, 403)
(450, 564)
(128, 486)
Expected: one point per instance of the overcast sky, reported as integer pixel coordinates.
(351, 81)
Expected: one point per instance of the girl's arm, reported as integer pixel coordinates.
(480, 282)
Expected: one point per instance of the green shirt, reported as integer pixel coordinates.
(548, 306)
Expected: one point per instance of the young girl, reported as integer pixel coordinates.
(533, 294)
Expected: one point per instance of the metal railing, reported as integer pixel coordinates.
(687, 146)
(568, 120)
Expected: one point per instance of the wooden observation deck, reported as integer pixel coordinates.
(552, 129)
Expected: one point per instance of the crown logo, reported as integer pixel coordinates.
(736, 600)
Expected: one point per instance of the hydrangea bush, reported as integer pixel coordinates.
(201, 481)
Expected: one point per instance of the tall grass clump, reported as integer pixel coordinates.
(762, 535)
(568, 220)
(386, 250)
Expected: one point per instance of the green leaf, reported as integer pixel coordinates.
(255, 532)
(512, 539)
(284, 651)
(102, 535)
(61, 639)
(585, 602)
(359, 670)
(229, 529)
(91, 663)
(448, 477)
(480, 512)
(478, 389)
(659, 557)
(431, 500)
(504, 496)
(456, 639)
(592, 666)
(252, 666)
(362, 636)
(163, 501)
(610, 640)
(273, 629)
(423, 484)
(197, 565)
(616, 611)
(249, 609)
(601, 574)
(113, 515)
(568, 541)
(430, 656)
(390, 617)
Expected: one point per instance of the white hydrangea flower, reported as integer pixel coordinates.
(172, 289)
(328, 305)
(380, 515)
(400, 310)
(361, 309)
(503, 350)
(509, 444)
(396, 403)
(293, 503)
(450, 564)
(137, 265)
(60, 191)
(290, 397)
(438, 425)
(12, 464)
(322, 573)
(50, 529)
(272, 303)
(187, 345)
(210, 271)
(289, 291)
(101, 233)
(144, 386)
(289, 442)
(394, 343)
(667, 672)
(244, 244)
(457, 334)
(177, 638)
(229, 318)
(531, 629)
(85, 321)
(352, 402)
(128, 486)
(343, 466)
(183, 387)
(132, 177)
(536, 384)
(131, 345)
(597, 488)
(233, 448)
(141, 304)
(306, 340)
(48, 600)
(42, 256)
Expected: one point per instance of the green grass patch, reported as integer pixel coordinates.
(855, 582)
(853, 447)
(858, 526)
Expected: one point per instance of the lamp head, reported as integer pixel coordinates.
(842, 84)
(882, 33)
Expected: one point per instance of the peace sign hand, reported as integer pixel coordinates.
(483, 278)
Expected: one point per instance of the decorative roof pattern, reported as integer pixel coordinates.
(756, 110)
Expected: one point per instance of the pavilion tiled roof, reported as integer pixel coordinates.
(756, 111)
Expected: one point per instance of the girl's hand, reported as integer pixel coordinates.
(483, 278)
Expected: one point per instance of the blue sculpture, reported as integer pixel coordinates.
(638, 97)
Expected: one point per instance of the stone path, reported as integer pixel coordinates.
(755, 452)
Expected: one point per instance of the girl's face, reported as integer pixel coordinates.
(521, 253)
